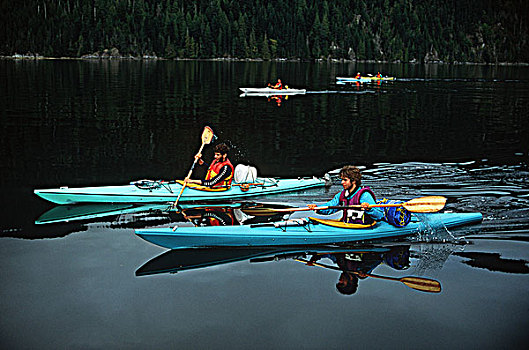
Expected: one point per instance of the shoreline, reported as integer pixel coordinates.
(18, 57)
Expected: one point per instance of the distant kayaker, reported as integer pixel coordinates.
(220, 172)
(358, 76)
(379, 75)
(353, 194)
(277, 86)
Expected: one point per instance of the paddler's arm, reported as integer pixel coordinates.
(333, 202)
(223, 174)
(375, 213)
(199, 159)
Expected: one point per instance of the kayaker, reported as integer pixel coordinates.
(220, 172)
(358, 76)
(379, 75)
(353, 194)
(277, 86)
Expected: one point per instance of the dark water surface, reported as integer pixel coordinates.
(457, 131)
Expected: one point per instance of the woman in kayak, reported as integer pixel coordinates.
(220, 172)
(353, 194)
(278, 86)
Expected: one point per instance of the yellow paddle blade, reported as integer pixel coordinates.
(207, 135)
(429, 204)
(422, 284)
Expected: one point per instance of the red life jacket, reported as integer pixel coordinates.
(352, 216)
(214, 170)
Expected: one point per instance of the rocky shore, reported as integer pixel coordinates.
(431, 57)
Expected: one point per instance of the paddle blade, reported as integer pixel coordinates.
(422, 284)
(429, 204)
(207, 135)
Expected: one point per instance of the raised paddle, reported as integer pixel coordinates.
(207, 136)
(418, 283)
(430, 204)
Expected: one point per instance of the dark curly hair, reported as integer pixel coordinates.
(222, 148)
(352, 173)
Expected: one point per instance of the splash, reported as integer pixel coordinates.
(434, 230)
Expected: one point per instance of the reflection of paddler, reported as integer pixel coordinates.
(359, 265)
(278, 99)
(207, 216)
(218, 217)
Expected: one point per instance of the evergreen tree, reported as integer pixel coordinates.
(481, 31)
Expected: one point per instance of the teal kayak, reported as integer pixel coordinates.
(343, 80)
(149, 191)
(294, 232)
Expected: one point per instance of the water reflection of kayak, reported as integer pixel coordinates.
(294, 232)
(354, 262)
(188, 259)
(249, 212)
(65, 213)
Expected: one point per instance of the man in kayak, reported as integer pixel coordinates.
(353, 194)
(379, 76)
(220, 172)
(278, 86)
(358, 76)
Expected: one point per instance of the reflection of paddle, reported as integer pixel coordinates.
(430, 204)
(418, 283)
(207, 136)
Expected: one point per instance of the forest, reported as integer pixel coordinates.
(452, 31)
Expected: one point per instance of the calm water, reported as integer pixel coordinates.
(457, 131)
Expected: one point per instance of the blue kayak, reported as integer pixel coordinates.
(149, 191)
(295, 232)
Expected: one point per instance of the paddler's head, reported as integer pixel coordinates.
(347, 284)
(351, 178)
(221, 151)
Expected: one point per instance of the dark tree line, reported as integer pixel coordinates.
(405, 30)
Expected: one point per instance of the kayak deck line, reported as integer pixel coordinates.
(167, 192)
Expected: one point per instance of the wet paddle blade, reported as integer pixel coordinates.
(431, 204)
(422, 284)
(207, 135)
